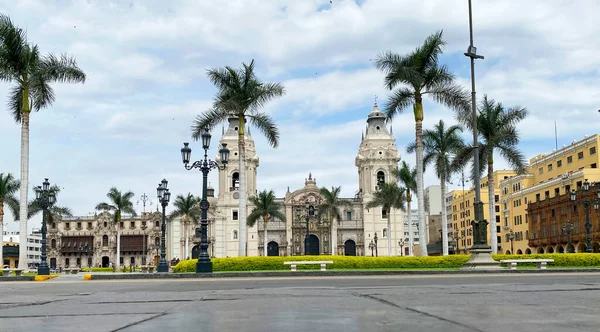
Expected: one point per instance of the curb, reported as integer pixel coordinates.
(323, 274)
(44, 278)
(21, 278)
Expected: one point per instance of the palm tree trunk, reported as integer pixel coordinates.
(410, 233)
(492, 206)
(118, 262)
(187, 239)
(242, 189)
(389, 232)
(333, 235)
(444, 218)
(265, 236)
(1, 232)
(24, 180)
(420, 190)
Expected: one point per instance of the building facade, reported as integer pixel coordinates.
(34, 247)
(377, 157)
(548, 176)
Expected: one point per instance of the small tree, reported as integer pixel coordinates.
(330, 207)
(8, 188)
(186, 207)
(388, 196)
(265, 207)
(407, 177)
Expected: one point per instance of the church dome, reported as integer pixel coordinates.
(376, 113)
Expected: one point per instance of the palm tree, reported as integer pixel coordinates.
(265, 207)
(414, 76)
(32, 74)
(441, 144)
(61, 211)
(498, 133)
(186, 207)
(407, 178)
(389, 196)
(8, 188)
(330, 207)
(119, 203)
(241, 95)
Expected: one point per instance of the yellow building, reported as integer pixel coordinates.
(463, 212)
(10, 254)
(547, 176)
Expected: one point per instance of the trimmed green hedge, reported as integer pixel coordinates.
(234, 264)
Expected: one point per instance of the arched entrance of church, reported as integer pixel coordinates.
(195, 251)
(313, 245)
(350, 248)
(105, 261)
(272, 249)
(53, 263)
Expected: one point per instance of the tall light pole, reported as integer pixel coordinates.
(204, 264)
(481, 257)
(309, 208)
(511, 237)
(45, 198)
(568, 228)
(586, 203)
(163, 197)
(144, 227)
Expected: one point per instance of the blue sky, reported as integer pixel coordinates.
(146, 63)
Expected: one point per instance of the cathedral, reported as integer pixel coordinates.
(357, 232)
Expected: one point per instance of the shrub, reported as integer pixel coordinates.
(560, 260)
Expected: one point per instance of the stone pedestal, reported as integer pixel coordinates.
(481, 259)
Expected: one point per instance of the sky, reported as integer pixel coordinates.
(146, 65)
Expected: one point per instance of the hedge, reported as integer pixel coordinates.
(262, 263)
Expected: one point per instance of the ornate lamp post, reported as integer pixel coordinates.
(45, 199)
(204, 264)
(375, 238)
(511, 237)
(401, 245)
(371, 246)
(309, 208)
(586, 203)
(567, 227)
(163, 197)
(144, 227)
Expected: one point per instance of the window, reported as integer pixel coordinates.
(89, 225)
(348, 215)
(384, 232)
(156, 242)
(235, 234)
(53, 244)
(105, 224)
(556, 192)
(592, 150)
(380, 178)
(235, 215)
(559, 163)
(547, 194)
(157, 224)
(580, 155)
(497, 208)
(569, 159)
(78, 225)
(383, 214)
(311, 211)
(105, 241)
(132, 224)
(525, 200)
(568, 188)
(235, 181)
(537, 197)
(67, 225)
(541, 171)
(549, 167)
(53, 225)
(496, 198)
(122, 224)
(594, 165)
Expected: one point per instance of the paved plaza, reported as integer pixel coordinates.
(530, 302)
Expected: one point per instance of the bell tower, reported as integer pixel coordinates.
(377, 157)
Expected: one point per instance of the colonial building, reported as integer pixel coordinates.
(377, 157)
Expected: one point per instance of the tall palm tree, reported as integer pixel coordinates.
(498, 133)
(413, 77)
(389, 196)
(441, 145)
(331, 208)
(119, 203)
(240, 95)
(8, 188)
(32, 74)
(55, 210)
(265, 207)
(186, 207)
(407, 178)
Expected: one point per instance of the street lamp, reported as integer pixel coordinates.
(163, 197)
(45, 198)
(401, 245)
(309, 208)
(371, 246)
(204, 264)
(586, 203)
(375, 238)
(568, 228)
(511, 237)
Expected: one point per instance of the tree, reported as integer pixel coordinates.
(61, 211)
(498, 133)
(389, 196)
(31, 73)
(330, 207)
(265, 207)
(441, 145)
(8, 188)
(119, 203)
(415, 76)
(240, 95)
(407, 178)
(186, 208)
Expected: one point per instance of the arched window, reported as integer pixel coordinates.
(105, 240)
(235, 181)
(53, 244)
(384, 232)
(235, 234)
(67, 262)
(157, 241)
(311, 211)
(380, 178)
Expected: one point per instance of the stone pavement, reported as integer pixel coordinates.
(492, 302)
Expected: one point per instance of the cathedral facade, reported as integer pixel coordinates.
(353, 235)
